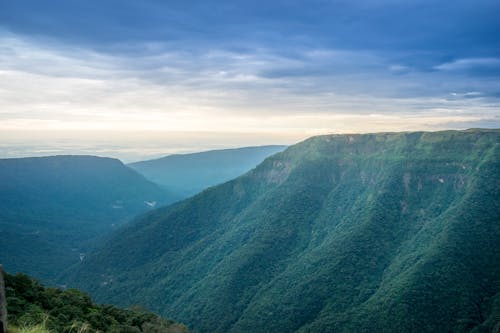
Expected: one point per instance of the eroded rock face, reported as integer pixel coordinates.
(3, 304)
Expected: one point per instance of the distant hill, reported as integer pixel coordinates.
(388, 232)
(188, 174)
(52, 208)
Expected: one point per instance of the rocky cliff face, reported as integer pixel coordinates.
(3, 304)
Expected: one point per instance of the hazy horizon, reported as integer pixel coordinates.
(132, 147)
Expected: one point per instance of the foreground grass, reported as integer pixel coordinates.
(40, 328)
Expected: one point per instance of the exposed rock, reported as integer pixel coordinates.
(3, 304)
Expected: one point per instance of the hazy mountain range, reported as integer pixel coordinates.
(53, 210)
(188, 174)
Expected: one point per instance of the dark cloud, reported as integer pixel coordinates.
(447, 28)
(421, 35)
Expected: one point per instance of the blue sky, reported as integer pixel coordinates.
(265, 71)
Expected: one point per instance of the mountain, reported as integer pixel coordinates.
(52, 208)
(188, 174)
(387, 232)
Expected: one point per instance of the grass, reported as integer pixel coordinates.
(40, 328)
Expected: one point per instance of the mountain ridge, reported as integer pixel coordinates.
(337, 233)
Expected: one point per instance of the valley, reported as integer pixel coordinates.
(249, 166)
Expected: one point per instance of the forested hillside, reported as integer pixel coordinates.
(53, 208)
(388, 232)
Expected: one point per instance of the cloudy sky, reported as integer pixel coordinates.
(143, 78)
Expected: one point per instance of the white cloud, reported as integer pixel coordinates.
(470, 63)
(49, 86)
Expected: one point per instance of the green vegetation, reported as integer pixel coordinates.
(52, 209)
(389, 232)
(40, 328)
(33, 308)
(188, 174)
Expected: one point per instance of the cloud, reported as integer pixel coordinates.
(49, 85)
(479, 66)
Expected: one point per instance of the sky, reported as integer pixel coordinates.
(138, 79)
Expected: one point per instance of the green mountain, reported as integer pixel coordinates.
(52, 208)
(188, 174)
(388, 232)
(31, 305)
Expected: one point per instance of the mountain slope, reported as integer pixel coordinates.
(188, 174)
(389, 232)
(51, 208)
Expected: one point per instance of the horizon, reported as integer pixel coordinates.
(128, 154)
(138, 80)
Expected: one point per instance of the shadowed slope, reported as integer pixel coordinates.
(51, 208)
